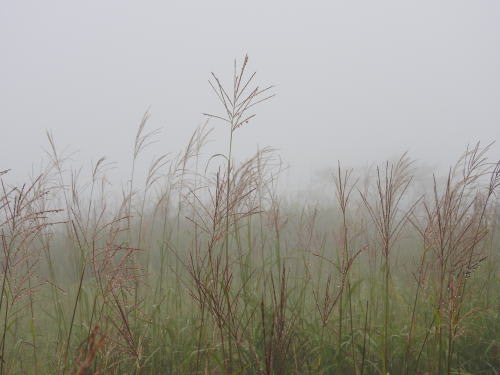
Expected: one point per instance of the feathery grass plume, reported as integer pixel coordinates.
(22, 224)
(237, 103)
(455, 225)
(391, 185)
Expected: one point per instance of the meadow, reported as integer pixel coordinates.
(201, 265)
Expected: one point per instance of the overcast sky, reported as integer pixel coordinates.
(358, 81)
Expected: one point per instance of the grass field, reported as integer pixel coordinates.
(203, 267)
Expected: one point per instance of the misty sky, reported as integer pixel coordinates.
(358, 81)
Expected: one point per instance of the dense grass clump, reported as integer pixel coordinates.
(203, 268)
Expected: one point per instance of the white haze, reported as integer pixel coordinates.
(356, 81)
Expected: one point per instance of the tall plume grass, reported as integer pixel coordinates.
(199, 264)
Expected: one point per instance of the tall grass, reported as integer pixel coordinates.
(205, 267)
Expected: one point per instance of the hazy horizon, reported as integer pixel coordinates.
(355, 82)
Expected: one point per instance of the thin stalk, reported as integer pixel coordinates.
(365, 333)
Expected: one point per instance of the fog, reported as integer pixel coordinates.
(356, 81)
